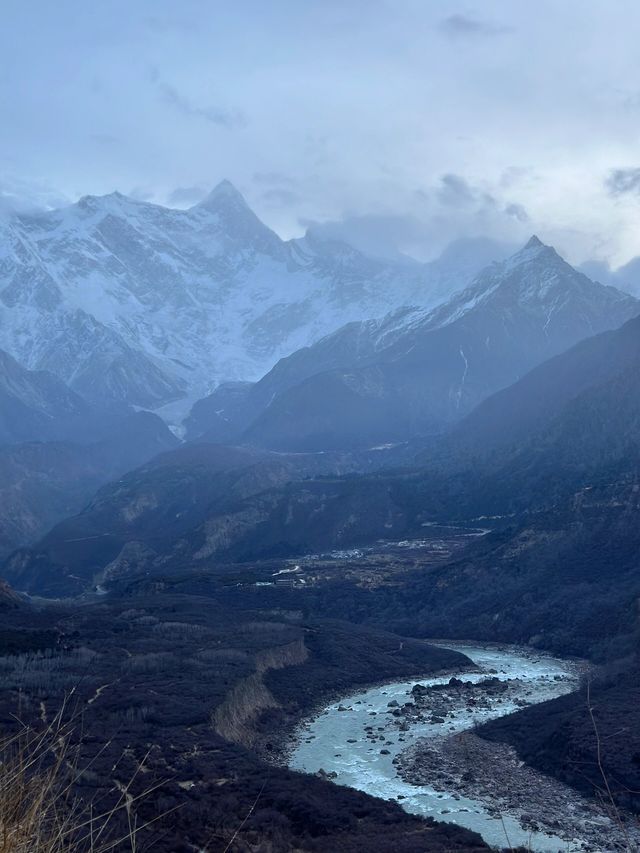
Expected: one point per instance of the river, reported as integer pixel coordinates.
(361, 742)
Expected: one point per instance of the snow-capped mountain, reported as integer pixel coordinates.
(417, 370)
(132, 301)
(541, 284)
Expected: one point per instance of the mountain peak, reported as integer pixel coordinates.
(112, 196)
(534, 250)
(535, 243)
(226, 210)
(109, 201)
(223, 194)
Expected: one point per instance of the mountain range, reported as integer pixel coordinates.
(508, 458)
(133, 302)
(414, 373)
(417, 371)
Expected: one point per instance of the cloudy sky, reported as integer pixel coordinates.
(399, 123)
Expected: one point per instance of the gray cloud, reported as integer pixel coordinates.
(466, 26)
(382, 235)
(517, 211)
(185, 106)
(141, 193)
(187, 196)
(454, 191)
(351, 105)
(623, 181)
(10, 204)
(28, 196)
(438, 215)
(626, 277)
(281, 196)
(278, 190)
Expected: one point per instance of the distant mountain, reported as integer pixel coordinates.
(418, 371)
(553, 462)
(43, 482)
(463, 259)
(230, 410)
(569, 425)
(589, 391)
(130, 301)
(153, 516)
(36, 404)
(626, 277)
(547, 436)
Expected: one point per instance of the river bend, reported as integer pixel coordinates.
(362, 740)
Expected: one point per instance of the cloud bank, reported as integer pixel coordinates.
(395, 119)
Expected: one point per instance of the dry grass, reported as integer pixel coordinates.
(38, 809)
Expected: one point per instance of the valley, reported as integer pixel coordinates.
(275, 641)
(184, 682)
(383, 564)
(319, 427)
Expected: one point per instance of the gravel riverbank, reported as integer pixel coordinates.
(494, 774)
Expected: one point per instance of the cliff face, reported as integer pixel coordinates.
(234, 718)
